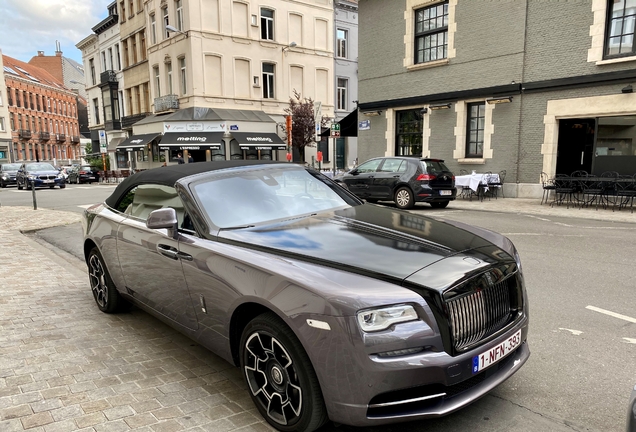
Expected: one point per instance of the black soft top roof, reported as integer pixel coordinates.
(169, 175)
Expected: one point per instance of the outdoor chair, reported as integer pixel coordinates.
(494, 185)
(564, 190)
(591, 191)
(548, 185)
(626, 192)
(483, 187)
(465, 190)
(608, 195)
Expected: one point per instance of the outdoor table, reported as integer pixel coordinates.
(473, 181)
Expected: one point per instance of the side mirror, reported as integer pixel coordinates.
(354, 171)
(163, 218)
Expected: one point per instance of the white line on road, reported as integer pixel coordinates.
(612, 314)
(574, 332)
(85, 206)
(630, 340)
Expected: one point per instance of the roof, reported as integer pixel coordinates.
(169, 175)
(208, 114)
(17, 68)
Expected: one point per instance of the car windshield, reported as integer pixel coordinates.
(435, 167)
(40, 167)
(245, 198)
(10, 167)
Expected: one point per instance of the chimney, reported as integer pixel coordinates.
(40, 53)
(58, 49)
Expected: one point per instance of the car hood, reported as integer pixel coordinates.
(380, 242)
(9, 172)
(46, 172)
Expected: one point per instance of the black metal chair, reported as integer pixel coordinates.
(547, 184)
(564, 190)
(496, 184)
(465, 190)
(626, 192)
(591, 190)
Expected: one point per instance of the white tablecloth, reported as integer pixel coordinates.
(473, 180)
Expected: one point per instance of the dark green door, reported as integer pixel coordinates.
(340, 153)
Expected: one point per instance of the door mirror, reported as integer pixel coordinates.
(354, 171)
(163, 218)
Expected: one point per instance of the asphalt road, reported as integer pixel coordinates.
(580, 280)
(74, 198)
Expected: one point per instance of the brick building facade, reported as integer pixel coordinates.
(42, 114)
(491, 86)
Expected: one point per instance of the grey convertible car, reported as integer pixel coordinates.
(332, 308)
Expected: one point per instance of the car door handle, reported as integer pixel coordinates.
(370, 177)
(168, 251)
(185, 256)
(396, 176)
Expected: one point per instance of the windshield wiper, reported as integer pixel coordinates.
(236, 227)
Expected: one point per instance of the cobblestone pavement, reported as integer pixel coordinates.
(65, 366)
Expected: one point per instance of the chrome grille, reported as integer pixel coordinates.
(46, 177)
(480, 313)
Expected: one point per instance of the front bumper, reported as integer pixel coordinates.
(11, 180)
(48, 183)
(364, 390)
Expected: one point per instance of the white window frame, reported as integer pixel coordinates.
(110, 57)
(117, 53)
(166, 21)
(169, 89)
(2, 126)
(267, 24)
(342, 93)
(153, 29)
(104, 65)
(409, 39)
(183, 81)
(179, 8)
(269, 80)
(461, 111)
(342, 43)
(155, 70)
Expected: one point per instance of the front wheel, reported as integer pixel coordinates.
(404, 198)
(440, 205)
(282, 382)
(2, 185)
(106, 296)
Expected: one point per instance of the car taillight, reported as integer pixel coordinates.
(82, 172)
(425, 177)
(453, 177)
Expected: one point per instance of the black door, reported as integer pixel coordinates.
(386, 178)
(575, 145)
(359, 180)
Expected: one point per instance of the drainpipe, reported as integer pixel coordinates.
(523, 69)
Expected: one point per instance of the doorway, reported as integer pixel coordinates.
(575, 149)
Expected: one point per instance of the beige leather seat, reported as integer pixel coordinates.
(153, 197)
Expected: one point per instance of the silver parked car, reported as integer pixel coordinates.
(332, 308)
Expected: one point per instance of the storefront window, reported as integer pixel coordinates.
(235, 150)
(409, 133)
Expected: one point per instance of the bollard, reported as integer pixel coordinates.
(35, 201)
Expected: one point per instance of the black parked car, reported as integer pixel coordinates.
(8, 173)
(40, 174)
(83, 174)
(404, 180)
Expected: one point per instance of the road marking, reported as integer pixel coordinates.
(85, 206)
(612, 314)
(537, 217)
(574, 332)
(630, 340)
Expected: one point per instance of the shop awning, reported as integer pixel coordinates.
(348, 126)
(137, 142)
(191, 141)
(259, 141)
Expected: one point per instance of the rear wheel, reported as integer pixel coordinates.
(282, 382)
(442, 204)
(106, 296)
(404, 198)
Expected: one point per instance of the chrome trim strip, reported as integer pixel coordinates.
(407, 401)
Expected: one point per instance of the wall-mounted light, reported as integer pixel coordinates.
(499, 100)
(171, 28)
(423, 111)
(440, 106)
(291, 45)
(372, 113)
(627, 89)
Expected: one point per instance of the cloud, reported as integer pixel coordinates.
(29, 26)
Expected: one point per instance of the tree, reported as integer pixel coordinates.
(95, 160)
(303, 123)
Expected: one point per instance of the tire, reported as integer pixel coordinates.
(62, 186)
(286, 374)
(440, 205)
(19, 186)
(51, 187)
(104, 291)
(371, 200)
(2, 185)
(404, 198)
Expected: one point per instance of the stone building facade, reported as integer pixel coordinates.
(42, 114)
(491, 86)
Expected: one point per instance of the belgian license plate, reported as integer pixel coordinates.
(445, 192)
(493, 355)
(92, 178)
(49, 181)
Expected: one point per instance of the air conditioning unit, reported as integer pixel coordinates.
(257, 82)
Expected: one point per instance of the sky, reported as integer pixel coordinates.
(29, 26)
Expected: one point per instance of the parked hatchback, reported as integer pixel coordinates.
(83, 174)
(404, 180)
(8, 173)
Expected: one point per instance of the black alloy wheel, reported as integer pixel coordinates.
(440, 204)
(106, 296)
(404, 198)
(281, 380)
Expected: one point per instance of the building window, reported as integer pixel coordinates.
(341, 43)
(179, 8)
(142, 43)
(431, 33)
(9, 96)
(166, 22)
(153, 29)
(408, 140)
(118, 56)
(620, 28)
(126, 58)
(268, 81)
(2, 124)
(110, 59)
(134, 49)
(169, 78)
(155, 71)
(104, 65)
(131, 6)
(37, 103)
(12, 120)
(122, 9)
(267, 24)
(95, 110)
(342, 94)
(475, 130)
(182, 64)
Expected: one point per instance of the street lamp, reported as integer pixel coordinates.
(175, 30)
(291, 45)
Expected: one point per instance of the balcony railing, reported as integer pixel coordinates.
(45, 136)
(60, 137)
(108, 76)
(128, 121)
(166, 103)
(24, 133)
(75, 139)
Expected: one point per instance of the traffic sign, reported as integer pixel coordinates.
(335, 130)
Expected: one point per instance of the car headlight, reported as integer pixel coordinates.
(31, 177)
(518, 261)
(5, 177)
(380, 319)
(60, 176)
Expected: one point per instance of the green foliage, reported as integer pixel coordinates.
(95, 161)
